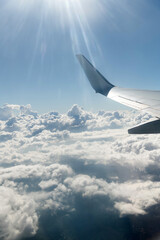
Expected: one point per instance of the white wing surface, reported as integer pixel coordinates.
(148, 101)
(145, 100)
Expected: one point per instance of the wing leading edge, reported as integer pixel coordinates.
(145, 100)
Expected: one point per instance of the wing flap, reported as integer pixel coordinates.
(146, 128)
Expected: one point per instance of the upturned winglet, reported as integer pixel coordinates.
(97, 81)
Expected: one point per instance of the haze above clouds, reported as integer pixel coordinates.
(77, 175)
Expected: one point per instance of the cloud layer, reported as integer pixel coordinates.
(58, 167)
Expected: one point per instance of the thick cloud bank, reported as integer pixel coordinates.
(77, 175)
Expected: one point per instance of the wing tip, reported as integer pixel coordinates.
(96, 79)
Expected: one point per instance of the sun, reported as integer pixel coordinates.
(72, 16)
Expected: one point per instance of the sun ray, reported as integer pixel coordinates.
(65, 14)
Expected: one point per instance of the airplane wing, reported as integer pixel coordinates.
(145, 100)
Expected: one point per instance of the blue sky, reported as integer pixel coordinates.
(39, 40)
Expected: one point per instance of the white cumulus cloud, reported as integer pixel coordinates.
(53, 162)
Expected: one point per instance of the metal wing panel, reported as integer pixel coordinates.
(145, 100)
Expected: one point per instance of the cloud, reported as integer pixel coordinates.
(55, 167)
(17, 214)
(7, 111)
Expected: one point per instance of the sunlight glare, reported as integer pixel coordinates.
(66, 15)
